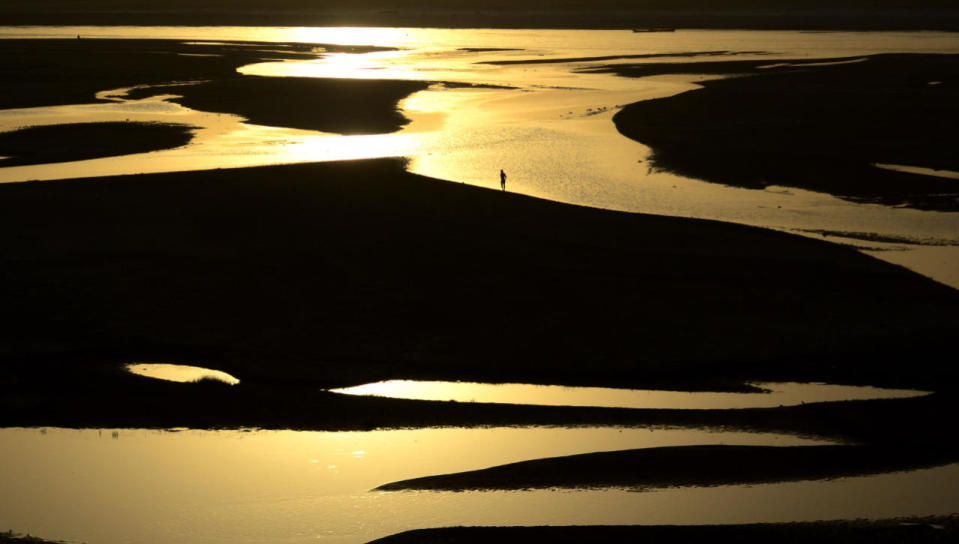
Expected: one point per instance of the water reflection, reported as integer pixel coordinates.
(919, 170)
(258, 486)
(180, 373)
(777, 394)
(548, 125)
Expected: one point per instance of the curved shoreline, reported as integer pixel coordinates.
(814, 126)
(679, 466)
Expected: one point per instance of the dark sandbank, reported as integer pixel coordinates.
(9, 537)
(683, 466)
(74, 142)
(814, 127)
(294, 278)
(921, 530)
(53, 72)
(344, 106)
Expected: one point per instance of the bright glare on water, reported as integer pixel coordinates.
(548, 125)
(776, 394)
(285, 486)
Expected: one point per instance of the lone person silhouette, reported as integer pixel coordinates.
(502, 179)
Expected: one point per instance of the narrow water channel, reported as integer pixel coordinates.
(772, 394)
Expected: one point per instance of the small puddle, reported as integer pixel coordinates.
(776, 394)
(180, 373)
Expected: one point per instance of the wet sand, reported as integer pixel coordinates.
(814, 126)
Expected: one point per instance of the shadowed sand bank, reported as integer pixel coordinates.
(60, 143)
(343, 106)
(931, 529)
(922, 530)
(684, 466)
(816, 125)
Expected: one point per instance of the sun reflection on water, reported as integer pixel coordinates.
(346, 35)
(548, 125)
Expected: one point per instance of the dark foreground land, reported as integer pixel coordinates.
(919, 530)
(812, 126)
(296, 278)
(935, 529)
(358, 267)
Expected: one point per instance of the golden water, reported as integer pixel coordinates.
(551, 130)
(121, 485)
(776, 394)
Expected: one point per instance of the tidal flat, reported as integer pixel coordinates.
(300, 278)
